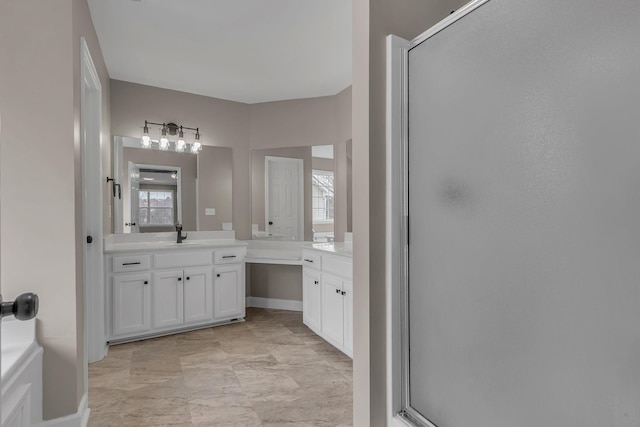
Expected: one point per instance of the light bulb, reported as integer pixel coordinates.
(146, 140)
(164, 141)
(180, 144)
(196, 146)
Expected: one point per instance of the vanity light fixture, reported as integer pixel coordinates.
(165, 143)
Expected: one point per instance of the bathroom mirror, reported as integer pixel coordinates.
(148, 199)
(155, 199)
(301, 193)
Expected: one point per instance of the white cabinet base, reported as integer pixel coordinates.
(186, 328)
(156, 293)
(327, 294)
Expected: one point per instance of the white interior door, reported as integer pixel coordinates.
(92, 199)
(133, 223)
(523, 202)
(284, 202)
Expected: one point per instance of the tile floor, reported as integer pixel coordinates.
(268, 371)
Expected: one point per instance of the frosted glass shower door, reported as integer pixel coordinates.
(524, 216)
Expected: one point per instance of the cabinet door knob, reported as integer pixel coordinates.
(337, 291)
(218, 275)
(344, 293)
(179, 279)
(146, 282)
(188, 278)
(315, 282)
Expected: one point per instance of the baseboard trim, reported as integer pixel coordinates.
(279, 304)
(79, 419)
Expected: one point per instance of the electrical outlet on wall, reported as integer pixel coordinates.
(210, 211)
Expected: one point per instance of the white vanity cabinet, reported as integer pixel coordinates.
(337, 303)
(163, 291)
(229, 283)
(311, 298)
(168, 300)
(229, 291)
(198, 295)
(327, 294)
(131, 303)
(182, 297)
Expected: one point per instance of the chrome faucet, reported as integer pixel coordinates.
(180, 236)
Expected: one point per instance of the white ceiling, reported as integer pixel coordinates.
(322, 151)
(242, 50)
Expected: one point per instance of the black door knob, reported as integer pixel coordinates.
(89, 239)
(270, 222)
(25, 307)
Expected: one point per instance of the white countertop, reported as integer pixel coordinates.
(338, 248)
(114, 243)
(258, 251)
(187, 244)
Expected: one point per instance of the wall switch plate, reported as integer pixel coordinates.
(210, 211)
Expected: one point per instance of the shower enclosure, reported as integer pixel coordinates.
(514, 193)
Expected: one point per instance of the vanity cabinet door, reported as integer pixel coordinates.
(311, 298)
(131, 304)
(228, 291)
(332, 309)
(168, 299)
(198, 295)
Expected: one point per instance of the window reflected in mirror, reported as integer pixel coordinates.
(322, 205)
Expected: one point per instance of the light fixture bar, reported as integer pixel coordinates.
(168, 129)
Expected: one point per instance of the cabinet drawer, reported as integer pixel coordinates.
(229, 256)
(182, 259)
(337, 265)
(311, 259)
(131, 263)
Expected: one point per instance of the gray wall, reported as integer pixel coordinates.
(215, 189)
(40, 95)
(322, 164)
(294, 123)
(373, 20)
(274, 281)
